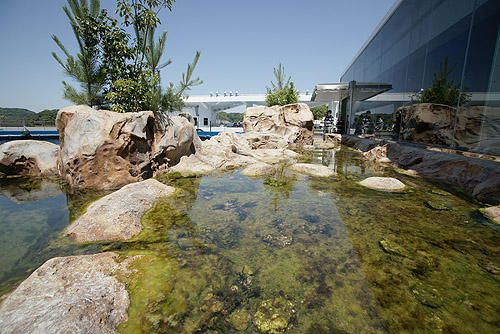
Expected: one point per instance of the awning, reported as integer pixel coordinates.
(339, 91)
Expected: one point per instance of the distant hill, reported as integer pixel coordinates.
(31, 118)
(231, 117)
(17, 114)
(47, 115)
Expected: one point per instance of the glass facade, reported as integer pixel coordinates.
(427, 40)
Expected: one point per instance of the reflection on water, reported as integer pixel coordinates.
(297, 254)
(33, 213)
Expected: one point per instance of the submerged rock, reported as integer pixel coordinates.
(74, 294)
(33, 157)
(118, 215)
(274, 316)
(280, 241)
(392, 248)
(240, 319)
(437, 205)
(383, 183)
(259, 169)
(490, 267)
(312, 169)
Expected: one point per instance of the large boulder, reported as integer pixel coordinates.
(103, 149)
(118, 215)
(28, 157)
(279, 126)
(75, 294)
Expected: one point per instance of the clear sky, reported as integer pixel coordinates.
(240, 42)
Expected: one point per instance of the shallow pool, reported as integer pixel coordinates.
(289, 253)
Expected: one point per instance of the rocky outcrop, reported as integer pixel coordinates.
(474, 128)
(279, 126)
(118, 215)
(104, 150)
(28, 157)
(478, 177)
(75, 294)
(229, 151)
(383, 183)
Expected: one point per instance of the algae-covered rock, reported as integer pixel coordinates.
(490, 267)
(437, 205)
(240, 319)
(392, 248)
(383, 183)
(280, 241)
(118, 215)
(274, 316)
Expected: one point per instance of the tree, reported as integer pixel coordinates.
(173, 99)
(319, 112)
(122, 72)
(282, 92)
(85, 67)
(443, 90)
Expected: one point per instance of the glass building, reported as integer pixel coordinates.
(422, 46)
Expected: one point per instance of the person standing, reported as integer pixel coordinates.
(327, 123)
(367, 123)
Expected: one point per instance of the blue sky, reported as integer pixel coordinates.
(240, 43)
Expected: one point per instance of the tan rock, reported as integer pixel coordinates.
(493, 213)
(279, 126)
(311, 169)
(34, 157)
(105, 150)
(383, 183)
(75, 294)
(258, 169)
(118, 215)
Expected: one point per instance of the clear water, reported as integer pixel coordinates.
(294, 254)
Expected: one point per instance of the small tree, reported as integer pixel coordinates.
(116, 70)
(282, 92)
(85, 67)
(443, 89)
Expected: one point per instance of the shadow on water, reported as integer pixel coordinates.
(297, 254)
